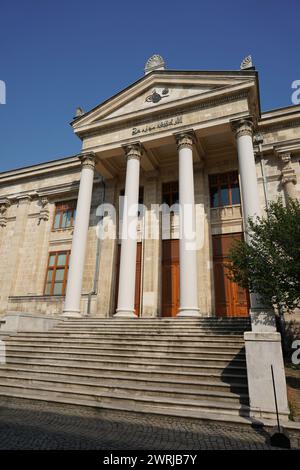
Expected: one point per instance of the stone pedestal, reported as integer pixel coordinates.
(263, 350)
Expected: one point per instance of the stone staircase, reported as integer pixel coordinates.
(174, 366)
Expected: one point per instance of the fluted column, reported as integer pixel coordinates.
(79, 241)
(187, 243)
(127, 271)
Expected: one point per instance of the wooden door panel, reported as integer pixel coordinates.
(231, 300)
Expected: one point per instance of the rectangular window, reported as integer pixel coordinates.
(57, 273)
(170, 193)
(65, 213)
(224, 189)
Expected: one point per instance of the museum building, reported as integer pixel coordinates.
(195, 139)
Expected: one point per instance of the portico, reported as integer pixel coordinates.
(170, 170)
(185, 157)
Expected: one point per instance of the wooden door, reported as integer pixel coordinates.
(137, 298)
(231, 300)
(170, 277)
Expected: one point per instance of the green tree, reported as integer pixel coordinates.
(270, 263)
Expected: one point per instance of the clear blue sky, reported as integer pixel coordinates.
(57, 55)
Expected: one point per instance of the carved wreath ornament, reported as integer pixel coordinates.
(155, 97)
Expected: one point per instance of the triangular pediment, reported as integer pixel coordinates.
(160, 90)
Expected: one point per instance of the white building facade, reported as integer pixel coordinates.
(194, 141)
(194, 138)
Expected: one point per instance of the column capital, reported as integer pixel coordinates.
(24, 199)
(242, 127)
(133, 150)
(88, 160)
(185, 139)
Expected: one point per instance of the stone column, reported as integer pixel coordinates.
(288, 176)
(262, 318)
(187, 243)
(79, 240)
(247, 169)
(262, 344)
(129, 233)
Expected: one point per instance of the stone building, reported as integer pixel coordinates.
(194, 137)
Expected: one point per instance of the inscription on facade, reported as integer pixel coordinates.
(174, 121)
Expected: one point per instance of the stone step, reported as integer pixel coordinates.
(124, 355)
(133, 371)
(132, 347)
(143, 386)
(169, 366)
(234, 372)
(144, 404)
(151, 328)
(150, 332)
(113, 340)
(144, 320)
(132, 337)
(133, 334)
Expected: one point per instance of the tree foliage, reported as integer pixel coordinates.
(269, 263)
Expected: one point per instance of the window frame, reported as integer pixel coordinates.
(231, 178)
(53, 269)
(63, 207)
(169, 189)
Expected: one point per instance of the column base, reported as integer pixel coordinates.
(188, 312)
(72, 313)
(125, 313)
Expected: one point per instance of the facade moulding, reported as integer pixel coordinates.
(158, 115)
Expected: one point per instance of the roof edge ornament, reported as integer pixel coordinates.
(155, 62)
(246, 63)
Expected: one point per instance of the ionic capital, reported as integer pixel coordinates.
(88, 160)
(242, 127)
(185, 140)
(133, 151)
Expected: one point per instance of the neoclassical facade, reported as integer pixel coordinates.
(195, 138)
